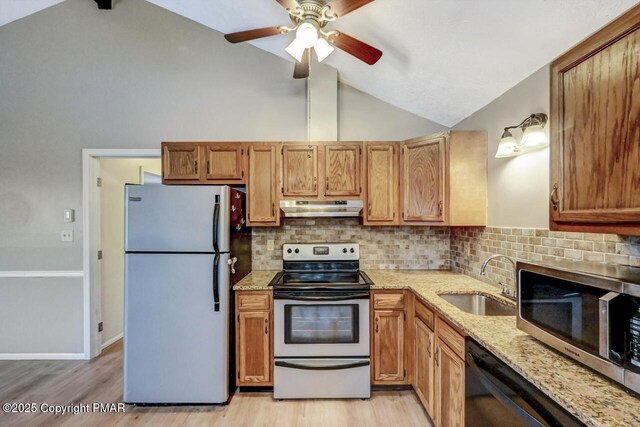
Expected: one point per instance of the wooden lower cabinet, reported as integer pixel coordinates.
(254, 338)
(388, 338)
(424, 365)
(449, 387)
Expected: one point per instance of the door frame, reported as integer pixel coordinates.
(91, 238)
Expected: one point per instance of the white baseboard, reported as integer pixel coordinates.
(42, 356)
(40, 274)
(111, 341)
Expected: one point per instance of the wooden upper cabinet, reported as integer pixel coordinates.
(381, 188)
(342, 170)
(449, 387)
(262, 188)
(299, 170)
(224, 162)
(595, 132)
(423, 180)
(180, 161)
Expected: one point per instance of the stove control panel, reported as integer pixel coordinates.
(321, 252)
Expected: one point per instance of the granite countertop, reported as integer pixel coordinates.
(592, 398)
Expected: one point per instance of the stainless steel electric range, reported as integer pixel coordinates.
(321, 323)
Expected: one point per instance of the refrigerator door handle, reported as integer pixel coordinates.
(216, 217)
(216, 292)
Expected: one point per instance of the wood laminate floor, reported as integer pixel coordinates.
(100, 380)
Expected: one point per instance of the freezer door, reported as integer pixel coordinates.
(176, 218)
(175, 343)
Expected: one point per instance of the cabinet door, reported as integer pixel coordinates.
(262, 192)
(595, 131)
(423, 180)
(381, 183)
(424, 366)
(254, 354)
(388, 343)
(224, 162)
(449, 390)
(300, 170)
(342, 170)
(180, 161)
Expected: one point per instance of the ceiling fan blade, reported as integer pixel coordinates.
(361, 50)
(290, 5)
(258, 33)
(301, 71)
(342, 7)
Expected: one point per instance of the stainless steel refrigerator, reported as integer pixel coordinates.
(185, 247)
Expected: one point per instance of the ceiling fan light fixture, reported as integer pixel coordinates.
(323, 49)
(307, 34)
(295, 49)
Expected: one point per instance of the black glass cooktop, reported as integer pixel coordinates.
(326, 274)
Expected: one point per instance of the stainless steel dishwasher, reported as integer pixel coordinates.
(496, 395)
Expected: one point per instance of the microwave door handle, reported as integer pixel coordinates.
(321, 367)
(603, 325)
(528, 419)
(216, 217)
(216, 291)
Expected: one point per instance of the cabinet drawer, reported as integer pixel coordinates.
(450, 336)
(392, 301)
(425, 314)
(254, 301)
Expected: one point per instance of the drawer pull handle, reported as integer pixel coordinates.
(555, 202)
(377, 325)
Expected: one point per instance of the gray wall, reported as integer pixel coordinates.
(75, 77)
(518, 186)
(363, 117)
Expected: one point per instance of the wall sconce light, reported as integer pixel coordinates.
(533, 137)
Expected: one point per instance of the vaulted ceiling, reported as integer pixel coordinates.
(443, 59)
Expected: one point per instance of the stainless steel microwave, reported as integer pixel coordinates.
(588, 311)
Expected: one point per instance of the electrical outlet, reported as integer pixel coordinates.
(270, 244)
(66, 236)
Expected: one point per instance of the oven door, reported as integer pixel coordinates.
(321, 324)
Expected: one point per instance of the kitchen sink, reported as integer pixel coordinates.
(479, 304)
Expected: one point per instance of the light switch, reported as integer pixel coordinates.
(269, 245)
(66, 236)
(69, 215)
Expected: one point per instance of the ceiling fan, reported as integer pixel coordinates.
(309, 17)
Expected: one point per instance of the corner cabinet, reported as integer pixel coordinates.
(444, 179)
(595, 132)
(203, 163)
(254, 338)
(262, 186)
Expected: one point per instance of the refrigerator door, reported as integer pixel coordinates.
(176, 218)
(175, 343)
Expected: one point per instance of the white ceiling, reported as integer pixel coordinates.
(443, 59)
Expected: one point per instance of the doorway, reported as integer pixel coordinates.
(105, 172)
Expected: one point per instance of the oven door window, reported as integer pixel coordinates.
(321, 324)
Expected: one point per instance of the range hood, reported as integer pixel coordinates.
(321, 208)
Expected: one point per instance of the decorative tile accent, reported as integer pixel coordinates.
(392, 248)
(470, 246)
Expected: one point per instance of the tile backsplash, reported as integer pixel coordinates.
(424, 248)
(470, 246)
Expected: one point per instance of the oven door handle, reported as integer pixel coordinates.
(321, 367)
(500, 395)
(362, 295)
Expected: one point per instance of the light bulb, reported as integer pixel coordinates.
(323, 49)
(307, 34)
(295, 49)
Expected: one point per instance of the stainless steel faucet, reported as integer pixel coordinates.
(505, 288)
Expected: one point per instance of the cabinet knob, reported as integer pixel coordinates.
(440, 208)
